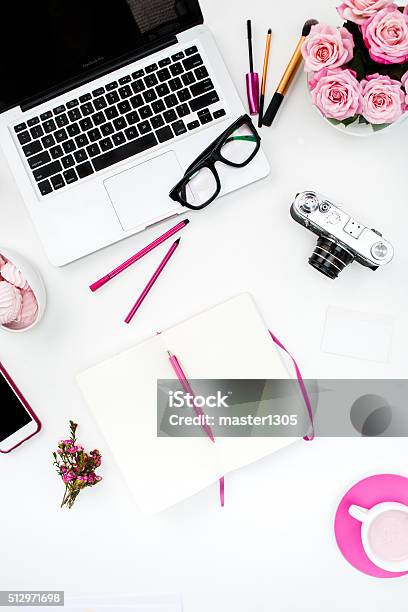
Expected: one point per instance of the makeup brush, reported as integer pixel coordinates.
(264, 76)
(288, 76)
(252, 78)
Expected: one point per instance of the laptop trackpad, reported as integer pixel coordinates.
(140, 195)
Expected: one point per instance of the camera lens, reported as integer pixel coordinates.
(330, 258)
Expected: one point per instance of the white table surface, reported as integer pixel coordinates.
(272, 546)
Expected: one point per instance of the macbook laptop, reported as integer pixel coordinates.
(103, 105)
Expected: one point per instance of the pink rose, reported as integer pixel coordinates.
(386, 36)
(327, 47)
(383, 99)
(336, 93)
(361, 10)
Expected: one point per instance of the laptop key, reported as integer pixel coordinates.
(177, 69)
(94, 135)
(59, 109)
(99, 118)
(191, 50)
(184, 95)
(193, 125)
(61, 135)
(151, 80)
(144, 127)
(132, 117)
(72, 103)
(151, 68)
(33, 121)
(192, 62)
(124, 80)
(56, 152)
(57, 181)
(68, 161)
(93, 150)
(112, 97)
(177, 56)
(45, 187)
(183, 110)
(164, 62)
(32, 148)
(111, 113)
(125, 151)
(98, 92)
(87, 109)
(170, 116)
(73, 130)
(150, 95)
(118, 139)
(20, 127)
(136, 101)
(179, 128)
(125, 92)
(120, 123)
(84, 169)
(158, 107)
(165, 134)
(23, 137)
(205, 118)
(219, 113)
(81, 141)
(49, 126)
(85, 98)
(111, 86)
(100, 103)
(68, 146)
(46, 171)
(138, 86)
(162, 90)
(70, 176)
(175, 84)
(86, 124)
(201, 73)
(46, 116)
(131, 132)
(74, 114)
(137, 74)
(62, 120)
(124, 107)
(80, 155)
(39, 160)
(145, 112)
(171, 101)
(37, 131)
(48, 141)
(107, 129)
(201, 87)
(106, 144)
(164, 75)
(203, 101)
(157, 122)
(188, 78)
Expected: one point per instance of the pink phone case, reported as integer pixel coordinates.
(26, 405)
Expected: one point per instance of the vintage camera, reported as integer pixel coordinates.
(342, 239)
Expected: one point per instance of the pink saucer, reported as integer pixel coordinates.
(367, 493)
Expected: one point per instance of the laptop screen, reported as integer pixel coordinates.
(46, 43)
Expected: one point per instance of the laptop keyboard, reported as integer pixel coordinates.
(112, 123)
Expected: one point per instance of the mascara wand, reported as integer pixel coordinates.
(288, 75)
(252, 78)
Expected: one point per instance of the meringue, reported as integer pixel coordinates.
(28, 313)
(13, 275)
(10, 302)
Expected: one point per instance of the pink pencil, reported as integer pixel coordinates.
(151, 282)
(175, 364)
(173, 230)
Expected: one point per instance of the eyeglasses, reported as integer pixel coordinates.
(235, 147)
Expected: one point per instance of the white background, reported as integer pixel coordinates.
(272, 546)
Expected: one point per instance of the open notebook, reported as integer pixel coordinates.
(227, 341)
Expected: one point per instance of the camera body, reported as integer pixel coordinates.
(341, 239)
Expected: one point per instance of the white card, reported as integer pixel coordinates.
(362, 335)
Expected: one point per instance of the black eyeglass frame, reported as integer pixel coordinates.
(209, 157)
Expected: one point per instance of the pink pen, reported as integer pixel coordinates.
(151, 282)
(178, 370)
(173, 230)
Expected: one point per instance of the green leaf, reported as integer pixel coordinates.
(377, 127)
(334, 121)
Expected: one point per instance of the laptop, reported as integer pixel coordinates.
(103, 105)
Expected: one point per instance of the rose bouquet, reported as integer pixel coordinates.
(358, 73)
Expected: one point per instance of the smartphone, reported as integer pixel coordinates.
(18, 422)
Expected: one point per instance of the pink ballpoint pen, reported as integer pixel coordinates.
(173, 230)
(178, 370)
(151, 282)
